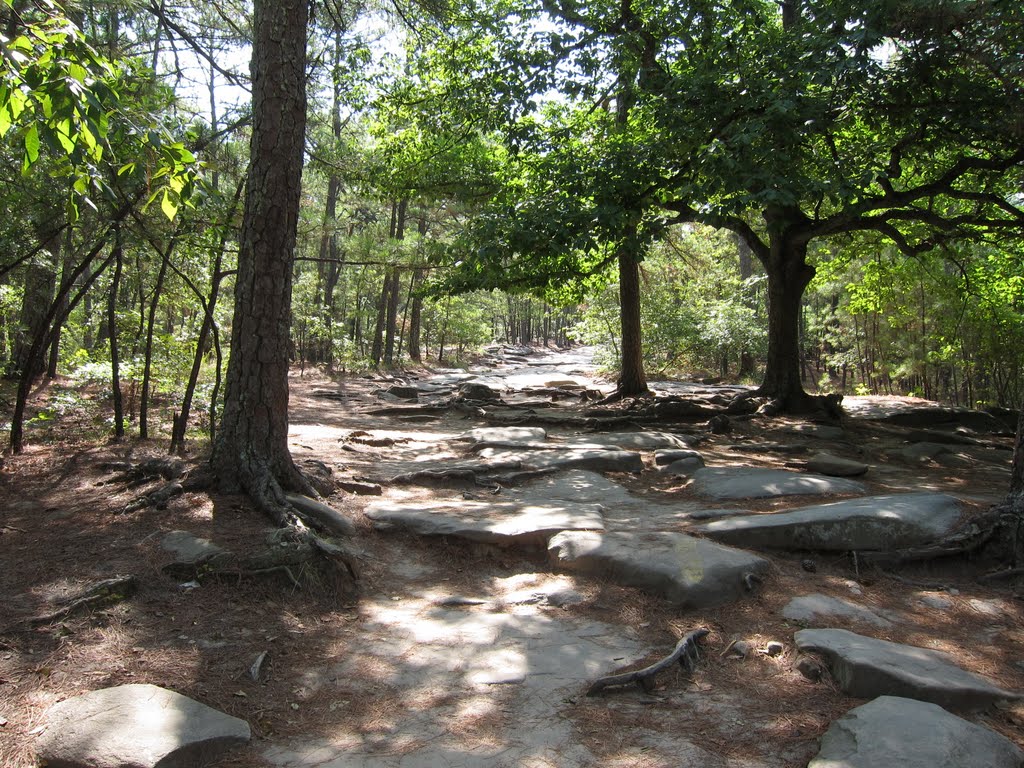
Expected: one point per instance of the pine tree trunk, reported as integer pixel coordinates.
(416, 318)
(251, 450)
(115, 359)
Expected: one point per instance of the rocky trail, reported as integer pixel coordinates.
(519, 548)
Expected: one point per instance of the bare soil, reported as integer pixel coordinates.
(62, 528)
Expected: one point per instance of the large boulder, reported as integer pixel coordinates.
(871, 523)
(136, 726)
(867, 667)
(689, 572)
(893, 731)
(722, 483)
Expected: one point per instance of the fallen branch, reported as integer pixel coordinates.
(1009, 573)
(686, 652)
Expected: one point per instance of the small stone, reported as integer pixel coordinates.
(810, 668)
(809, 565)
(738, 649)
(774, 648)
(719, 424)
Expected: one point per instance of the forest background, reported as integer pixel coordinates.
(474, 172)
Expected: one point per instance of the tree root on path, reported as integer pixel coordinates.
(98, 595)
(686, 652)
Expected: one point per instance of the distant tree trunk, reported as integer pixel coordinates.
(55, 332)
(416, 317)
(1015, 498)
(180, 421)
(746, 269)
(115, 358)
(391, 322)
(632, 380)
(147, 366)
(251, 449)
(377, 348)
(40, 283)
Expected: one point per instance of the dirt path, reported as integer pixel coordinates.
(455, 653)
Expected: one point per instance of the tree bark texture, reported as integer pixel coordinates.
(632, 380)
(788, 276)
(251, 450)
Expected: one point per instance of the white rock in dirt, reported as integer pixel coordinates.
(189, 548)
(690, 572)
(721, 483)
(811, 607)
(893, 731)
(871, 523)
(643, 441)
(866, 667)
(505, 435)
(136, 726)
(835, 466)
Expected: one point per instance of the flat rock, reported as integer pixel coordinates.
(866, 667)
(487, 521)
(189, 548)
(684, 467)
(871, 523)
(667, 456)
(689, 572)
(820, 431)
(509, 435)
(599, 460)
(722, 483)
(815, 606)
(577, 486)
(644, 441)
(835, 466)
(136, 726)
(893, 731)
(325, 515)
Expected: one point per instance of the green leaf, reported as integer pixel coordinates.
(32, 144)
(169, 205)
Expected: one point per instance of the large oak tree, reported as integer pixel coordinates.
(789, 124)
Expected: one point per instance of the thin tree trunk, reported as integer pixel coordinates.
(632, 380)
(180, 426)
(416, 318)
(147, 367)
(57, 315)
(115, 359)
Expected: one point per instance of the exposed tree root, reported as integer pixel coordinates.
(98, 595)
(686, 652)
